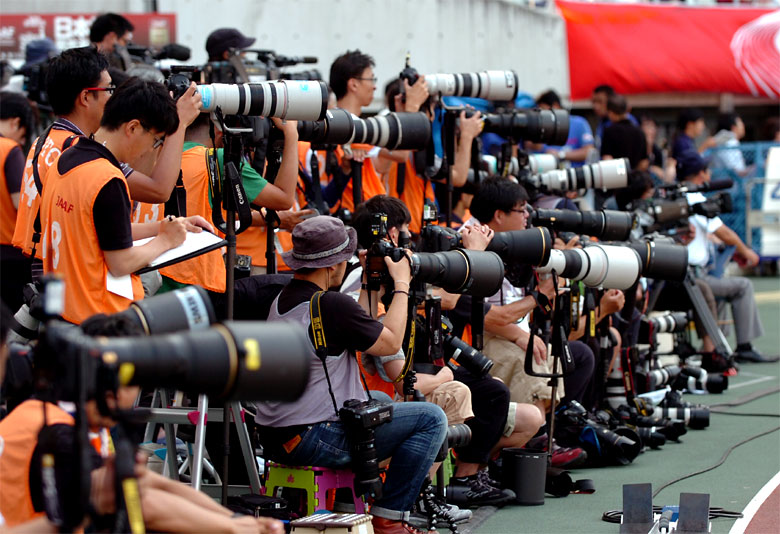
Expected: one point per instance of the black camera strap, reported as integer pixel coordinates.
(232, 182)
(176, 204)
(400, 178)
(321, 345)
(316, 186)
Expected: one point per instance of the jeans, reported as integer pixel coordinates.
(412, 439)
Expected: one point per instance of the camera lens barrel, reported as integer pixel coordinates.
(670, 323)
(662, 261)
(531, 246)
(607, 174)
(608, 225)
(458, 436)
(607, 266)
(184, 309)
(467, 356)
(477, 273)
(285, 99)
(490, 85)
(337, 128)
(394, 131)
(538, 126)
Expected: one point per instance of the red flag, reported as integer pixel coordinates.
(641, 48)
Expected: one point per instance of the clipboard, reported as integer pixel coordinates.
(194, 245)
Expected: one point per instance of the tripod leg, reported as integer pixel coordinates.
(246, 447)
(170, 440)
(196, 464)
(705, 315)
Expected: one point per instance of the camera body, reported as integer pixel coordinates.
(360, 418)
(376, 270)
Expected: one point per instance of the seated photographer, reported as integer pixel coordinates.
(88, 236)
(502, 205)
(497, 422)
(737, 290)
(79, 85)
(208, 270)
(309, 431)
(410, 185)
(27, 435)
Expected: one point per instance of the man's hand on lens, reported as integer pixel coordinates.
(612, 301)
(355, 154)
(290, 218)
(290, 128)
(416, 94)
(188, 106)
(476, 237)
(400, 271)
(470, 127)
(574, 242)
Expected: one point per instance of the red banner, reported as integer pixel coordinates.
(69, 30)
(658, 48)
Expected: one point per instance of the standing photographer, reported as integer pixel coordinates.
(309, 431)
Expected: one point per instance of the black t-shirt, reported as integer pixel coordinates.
(624, 140)
(460, 316)
(347, 325)
(111, 213)
(14, 168)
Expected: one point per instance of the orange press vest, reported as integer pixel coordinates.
(29, 199)
(416, 190)
(7, 209)
(206, 270)
(372, 183)
(70, 242)
(18, 437)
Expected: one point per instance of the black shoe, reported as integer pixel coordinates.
(751, 356)
(474, 491)
(432, 511)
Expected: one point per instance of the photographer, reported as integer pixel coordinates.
(353, 81)
(86, 206)
(502, 204)
(497, 422)
(16, 125)
(309, 431)
(737, 290)
(110, 34)
(79, 85)
(208, 270)
(410, 184)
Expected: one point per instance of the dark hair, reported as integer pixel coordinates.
(111, 326)
(6, 320)
(201, 121)
(118, 76)
(688, 115)
(107, 23)
(15, 105)
(617, 104)
(496, 194)
(392, 89)
(396, 211)
(549, 97)
(647, 118)
(606, 89)
(70, 73)
(726, 121)
(148, 102)
(349, 65)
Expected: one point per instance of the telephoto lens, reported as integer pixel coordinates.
(337, 128)
(184, 309)
(394, 131)
(607, 225)
(696, 418)
(672, 430)
(651, 437)
(477, 273)
(658, 378)
(662, 261)
(697, 379)
(597, 265)
(490, 84)
(535, 125)
(284, 99)
(669, 323)
(472, 360)
(607, 174)
(458, 436)
(531, 246)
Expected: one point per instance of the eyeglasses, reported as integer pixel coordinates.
(372, 80)
(158, 141)
(110, 89)
(523, 210)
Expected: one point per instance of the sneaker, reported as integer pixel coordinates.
(568, 457)
(430, 511)
(473, 491)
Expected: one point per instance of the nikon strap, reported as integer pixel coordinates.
(176, 204)
(232, 182)
(318, 336)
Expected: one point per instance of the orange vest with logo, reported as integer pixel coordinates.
(146, 213)
(206, 270)
(372, 183)
(70, 242)
(18, 437)
(29, 199)
(7, 209)
(416, 190)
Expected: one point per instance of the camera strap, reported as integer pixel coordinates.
(400, 178)
(176, 204)
(232, 181)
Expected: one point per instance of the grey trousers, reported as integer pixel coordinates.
(738, 291)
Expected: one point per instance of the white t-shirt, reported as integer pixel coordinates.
(699, 247)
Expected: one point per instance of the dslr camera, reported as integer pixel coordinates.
(360, 418)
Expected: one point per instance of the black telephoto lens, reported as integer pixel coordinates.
(538, 126)
(696, 418)
(607, 225)
(458, 436)
(530, 246)
(337, 128)
(394, 131)
(467, 356)
(651, 437)
(662, 261)
(477, 273)
(189, 308)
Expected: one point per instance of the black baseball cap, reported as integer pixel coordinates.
(224, 39)
(690, 163)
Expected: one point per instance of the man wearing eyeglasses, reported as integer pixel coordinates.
(85, 209)
(79, 85)
(110, 33)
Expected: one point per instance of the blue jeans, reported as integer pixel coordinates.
(412, 439)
